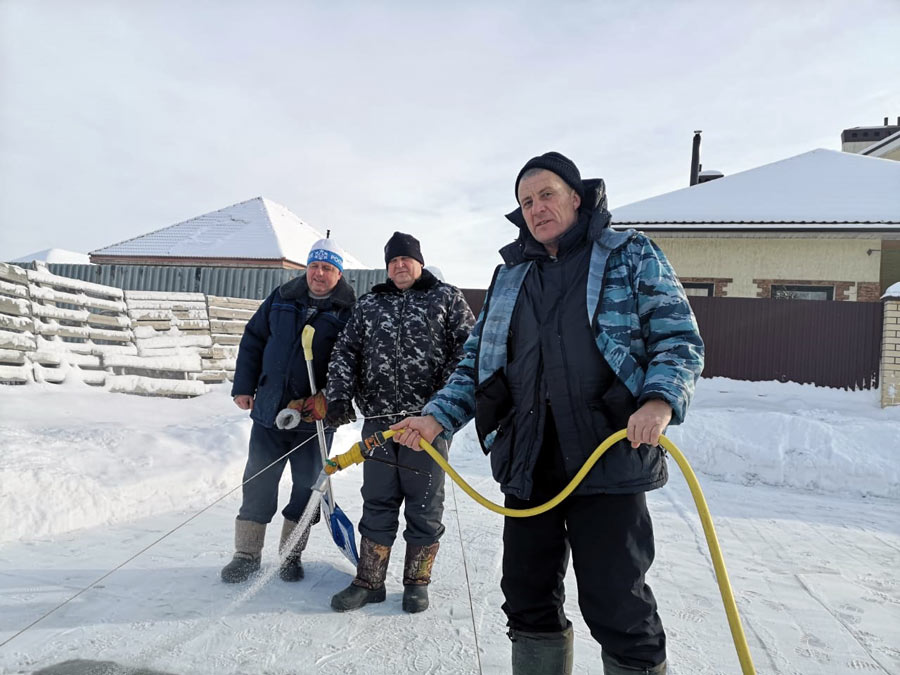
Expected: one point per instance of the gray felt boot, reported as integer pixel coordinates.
(542, 653)
(249, 537)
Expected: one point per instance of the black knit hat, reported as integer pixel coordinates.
(559, 164)
(403, 244)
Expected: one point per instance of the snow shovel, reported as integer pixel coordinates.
(338, 524)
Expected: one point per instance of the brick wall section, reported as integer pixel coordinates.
(868, 291)
(719, 284)
(841, 288)
(890, 354)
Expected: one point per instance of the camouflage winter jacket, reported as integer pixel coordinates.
(399, 347)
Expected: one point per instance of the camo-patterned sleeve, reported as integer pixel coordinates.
(454, 405)
(672, 340)
(458, 326)
(345, 359)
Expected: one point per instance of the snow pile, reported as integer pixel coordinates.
(110, 458)
(90, 479)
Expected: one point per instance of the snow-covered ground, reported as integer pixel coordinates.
(803, 485)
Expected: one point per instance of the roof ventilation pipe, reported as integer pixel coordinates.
(695, 158)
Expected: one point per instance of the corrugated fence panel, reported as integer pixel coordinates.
(233, 282)
(831, 344)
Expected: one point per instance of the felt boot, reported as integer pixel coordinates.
(248, 543)
(291, 567)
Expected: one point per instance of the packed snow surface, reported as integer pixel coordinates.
(802, 483)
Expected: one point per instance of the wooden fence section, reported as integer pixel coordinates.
(830, 344)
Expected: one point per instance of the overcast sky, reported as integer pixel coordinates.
(118, 118)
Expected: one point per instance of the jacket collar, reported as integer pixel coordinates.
(425, 282)
(594, 220)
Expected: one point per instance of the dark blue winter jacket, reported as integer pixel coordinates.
(270, 362)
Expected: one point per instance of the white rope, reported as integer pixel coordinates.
(178, 527)
(151, 545)
(466, 573)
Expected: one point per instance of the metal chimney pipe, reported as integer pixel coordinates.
(885, 121)
(695, 158)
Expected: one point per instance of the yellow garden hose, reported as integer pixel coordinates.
(357, 454)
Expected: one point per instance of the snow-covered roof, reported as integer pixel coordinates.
(819, 187)
(256, 229)
(55, 255)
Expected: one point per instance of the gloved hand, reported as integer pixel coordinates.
(314, 407)
(340, 412)
(287, 418)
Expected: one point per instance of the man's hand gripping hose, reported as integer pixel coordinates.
(363, 450)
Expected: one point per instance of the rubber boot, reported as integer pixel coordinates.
(368, 586)
(612, 666)
(417, 576)
(542, 653)
(291, 567)
(248, 543)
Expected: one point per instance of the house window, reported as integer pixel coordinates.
(701, 289)
(786, 292)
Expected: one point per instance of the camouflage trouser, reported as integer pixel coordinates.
(386, 487)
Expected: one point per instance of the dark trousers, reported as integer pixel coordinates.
(610, 538)
(261, 494)
(386, 487)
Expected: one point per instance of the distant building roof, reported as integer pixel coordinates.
(55, 255)
(258, 229)
(882, 147)
(820, 189)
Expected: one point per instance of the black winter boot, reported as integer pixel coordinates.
(417, 576)
(542, 653)
(248, 543)
(612, 666)
(368, 586)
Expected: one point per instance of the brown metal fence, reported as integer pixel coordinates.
(831, 344)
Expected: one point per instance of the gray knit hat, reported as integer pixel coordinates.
(559, 164)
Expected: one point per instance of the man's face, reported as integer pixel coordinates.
(549, 205)
(322, 277)
(404, 271)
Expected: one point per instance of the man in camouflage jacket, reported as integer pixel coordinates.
(401, 344)
(585, 331)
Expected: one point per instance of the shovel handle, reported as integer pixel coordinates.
(306, 339)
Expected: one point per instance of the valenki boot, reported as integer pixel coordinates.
(249, 537)
(542, 653)
(291, 567)
(368, 586)
(417, 576)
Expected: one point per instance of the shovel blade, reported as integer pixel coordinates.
(341, 530)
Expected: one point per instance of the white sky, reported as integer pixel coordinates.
(118, 118)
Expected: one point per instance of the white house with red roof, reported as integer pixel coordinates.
(254, 233)
(820, 225)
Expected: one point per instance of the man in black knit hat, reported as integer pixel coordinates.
(402, 342)
(584, 331)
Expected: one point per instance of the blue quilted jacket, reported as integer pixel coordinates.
(642, 324)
